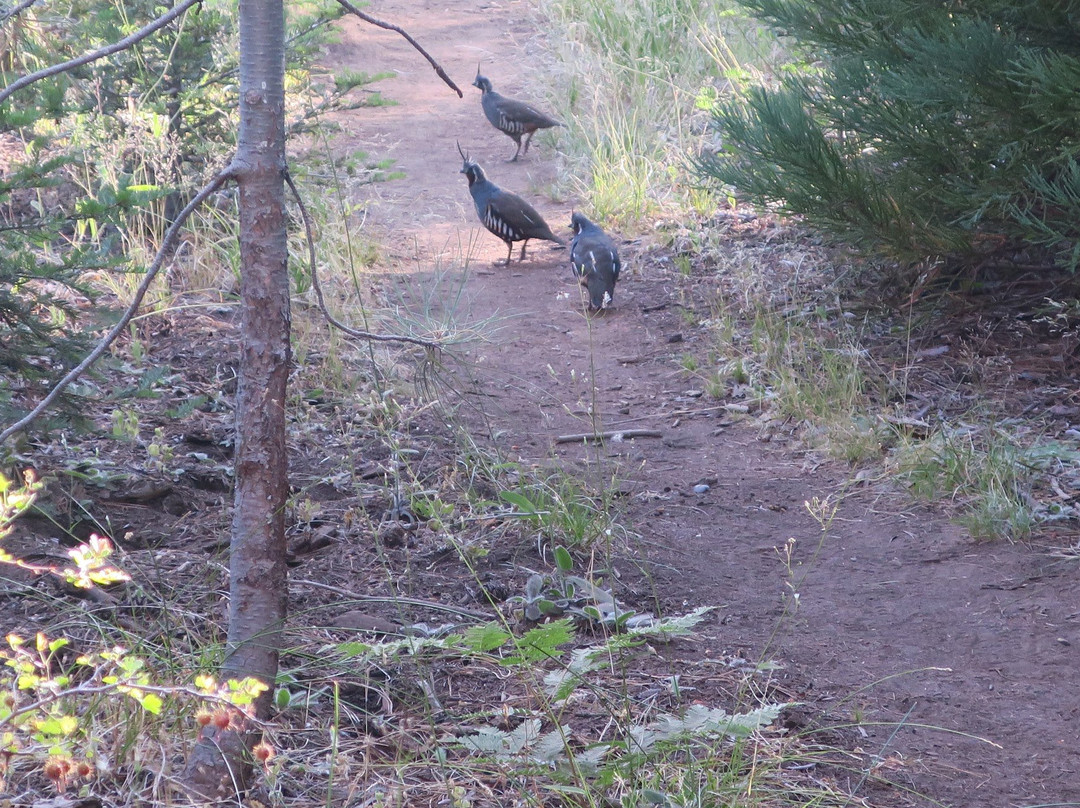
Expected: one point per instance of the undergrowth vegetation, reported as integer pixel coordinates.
(814, 359)
(569, 694)
(802, 333)
(566, 692)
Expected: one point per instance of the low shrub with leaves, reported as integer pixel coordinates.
(616, 749)
(70, 716)
(561, 593)
(60, 716)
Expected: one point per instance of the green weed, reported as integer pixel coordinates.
(985, 471)
(563, 512)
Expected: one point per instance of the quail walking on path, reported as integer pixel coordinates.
(506, 215)
(515, 118)
(594, 260)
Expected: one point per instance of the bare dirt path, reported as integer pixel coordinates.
(901, 617)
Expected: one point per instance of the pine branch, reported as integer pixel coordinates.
(100, 53)
(14, 12)
(168, 243)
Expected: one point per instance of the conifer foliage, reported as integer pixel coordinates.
(928, 130)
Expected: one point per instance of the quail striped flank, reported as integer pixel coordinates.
(594, 260)
(514, 118)
(506, 215)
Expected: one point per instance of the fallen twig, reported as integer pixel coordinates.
(614, 434)
(394, 600)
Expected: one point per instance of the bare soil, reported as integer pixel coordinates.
(954, 655)
(941, 663)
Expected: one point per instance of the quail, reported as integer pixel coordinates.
(514, 118)
(595, 261)
(506, 215)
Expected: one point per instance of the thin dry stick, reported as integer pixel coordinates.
(620, 434)
(397, 601)
(391, 27)
(93, 56)
(167, 244)
(352, 332)
(19, 9)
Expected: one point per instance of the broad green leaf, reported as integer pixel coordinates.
(63, 725)
(542, 642)
(519, 501)
(563, 559)
(151, 702)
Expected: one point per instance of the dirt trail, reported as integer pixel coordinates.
(901, 616)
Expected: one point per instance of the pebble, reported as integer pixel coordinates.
(701, 488)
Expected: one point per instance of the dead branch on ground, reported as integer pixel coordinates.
(614, 434)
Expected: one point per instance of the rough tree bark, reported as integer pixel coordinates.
(257, 608)
(220, 763)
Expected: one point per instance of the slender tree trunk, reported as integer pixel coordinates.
(258, 580)
(174, 202)
(257, 561)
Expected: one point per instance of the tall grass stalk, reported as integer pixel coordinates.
(636, 80)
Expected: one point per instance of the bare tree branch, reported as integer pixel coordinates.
(352, 332)
(93, 56)
(614, 434)
(167, 244)
(391, 27)
(19, 9)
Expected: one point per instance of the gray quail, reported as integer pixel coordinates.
(514, 118)
(506, 215)
(595, 261)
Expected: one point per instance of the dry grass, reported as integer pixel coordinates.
(826, 349)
